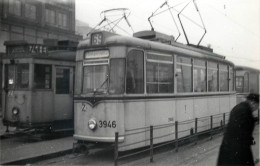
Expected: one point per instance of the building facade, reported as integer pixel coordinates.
(36, 20)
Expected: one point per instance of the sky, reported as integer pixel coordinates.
(233, 26)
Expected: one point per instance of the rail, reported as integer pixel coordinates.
(179, 131)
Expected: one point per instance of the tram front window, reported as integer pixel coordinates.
(17, 76)
(95, 78)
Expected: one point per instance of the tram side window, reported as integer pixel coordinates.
(212, 77)
(117, 79)
(42, 76)
(62, 81)
(223, 77)
(246, 82)
(17, 76)
(135, 72)
(184, 74)
(199, 74)
(159, 73)
(231, 78)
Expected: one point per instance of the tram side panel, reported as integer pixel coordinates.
(201, 109)
(42, 106)
(160, 112)
(184, 112)
(134, 118)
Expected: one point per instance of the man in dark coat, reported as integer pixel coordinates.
(236, 145)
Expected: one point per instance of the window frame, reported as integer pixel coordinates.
(51, 79)
(16, 87)
(184, 64)
(160, 62)
(199, 66)
(143, 71)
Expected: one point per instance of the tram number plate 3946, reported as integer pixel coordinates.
(107, 124)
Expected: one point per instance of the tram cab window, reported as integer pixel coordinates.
(17, 76)
(159, 73)
(135, 72)
(212, 77)
(199, 75)
(239, 84)
(62, 81)
(184, 74)
(95, 78)
(223, 77)
(42, 76)
(117, 77)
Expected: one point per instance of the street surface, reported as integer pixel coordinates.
(204, 153)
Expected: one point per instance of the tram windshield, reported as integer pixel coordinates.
(95, 79)
(17, 76)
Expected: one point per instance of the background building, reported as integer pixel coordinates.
(36, 20)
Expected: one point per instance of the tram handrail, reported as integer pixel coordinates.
(210, 128)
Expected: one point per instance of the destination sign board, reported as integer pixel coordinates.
(27, 49)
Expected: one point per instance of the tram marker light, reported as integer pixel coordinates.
(15, 111)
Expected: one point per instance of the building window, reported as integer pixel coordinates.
(42, 76)
(62, 20)
(135, 72)
(212, 77)
(50, 16)
(159, 73)
(199, 75)
(184, 74)
(15, 7)
(30, 11)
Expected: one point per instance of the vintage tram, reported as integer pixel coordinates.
(38, 85)
(125, 83)
(247, 81)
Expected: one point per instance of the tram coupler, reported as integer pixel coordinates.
(79, 147)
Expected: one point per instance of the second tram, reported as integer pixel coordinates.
(38, 86)
(125, 83)
(247, 81)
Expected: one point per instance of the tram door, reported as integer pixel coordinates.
(63, 93)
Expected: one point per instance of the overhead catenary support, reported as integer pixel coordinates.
(123, 14)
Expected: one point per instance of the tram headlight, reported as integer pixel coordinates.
(92, 124)
(15, 111)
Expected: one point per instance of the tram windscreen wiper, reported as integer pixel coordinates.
(96, 90)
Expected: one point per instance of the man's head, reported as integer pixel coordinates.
(253, 99)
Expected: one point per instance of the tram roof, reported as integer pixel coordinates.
(246, 68)
(111, 39)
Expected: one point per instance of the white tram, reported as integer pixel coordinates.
(38, 86)
(125, 83)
